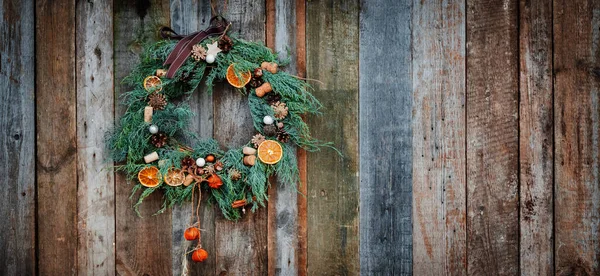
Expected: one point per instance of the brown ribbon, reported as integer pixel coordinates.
(183, 48)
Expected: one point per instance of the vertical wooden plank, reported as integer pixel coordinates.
(492, 137)
(143, 245)
(536, 141)
(385, 137)
(56, 138)
(188, 16)
(17, 121)
(282, 208)
(577, 127)
(241, 248)
(439, 136)
(95, 116)
(332, 57)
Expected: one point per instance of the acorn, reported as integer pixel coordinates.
(270, 130)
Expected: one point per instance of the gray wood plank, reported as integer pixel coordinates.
(17, 121)
(385, 137)
(188, 16)
(439, 136)
(536, 138)
(332, 39)
(95, 116)
(241, 248)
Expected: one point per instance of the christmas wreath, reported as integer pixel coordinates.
(153, 147)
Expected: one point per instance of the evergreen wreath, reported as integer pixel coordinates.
(150, 142)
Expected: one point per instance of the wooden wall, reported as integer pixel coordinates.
(470, 133)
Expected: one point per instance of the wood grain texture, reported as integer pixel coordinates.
(56, 138)
(95, 116)
(143, 244)
(385, 138)
(577, 138)
(188, 16)
(439, 136)
(17, 122)
(282, 208)
(492, 137)
(241, 248)
(536, 141)
(332, 57)
(302, 250)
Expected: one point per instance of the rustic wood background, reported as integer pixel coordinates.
(470, 132)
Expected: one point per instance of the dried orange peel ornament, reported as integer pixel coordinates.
(238, 80)
(152, 84)
(270, 152)
(174, 177)
(149, 177)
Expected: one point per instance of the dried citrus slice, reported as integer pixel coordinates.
(149, 177)
(152, 84)
(174, 177)
(270, 152)
(237, 80)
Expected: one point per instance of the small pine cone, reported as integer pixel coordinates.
(257, 140)
(157, 101)
(283, 136)
(159, 140)
(255, 82)
(225, 43)
(270, 130)
(235, 174)
(187, 162)
(272, 98)
(280, 109)
(198, 52)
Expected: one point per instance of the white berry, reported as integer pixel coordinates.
(153, 129)
(210, 59)
(200, 162)
(268, 120)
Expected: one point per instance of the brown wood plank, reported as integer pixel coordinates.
(143, 245)
(241, 248)
(95, 116)
(536, 138)
(188, 16)
(17, 121)
(492, 137)
(282, 208)
(332, 57)
(577, 140)
(56, 138)
(439, 135)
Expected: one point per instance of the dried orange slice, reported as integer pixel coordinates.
(152, 84)
(174, 177)
(270, 152)
(149, 177)
(237, 80)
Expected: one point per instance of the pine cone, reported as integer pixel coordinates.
(225, 43)
(159, 140)
(272, 98)
(280, 109)
(270, 130)
(257, 140)
(283, 136)
(234, 174)
(187, 162)
(157, 101)
(255, 82)
(198, 52)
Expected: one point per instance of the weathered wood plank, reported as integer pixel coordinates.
(241, 248)
(283, 209)
(95, 116)
(17, 121)
(385, 137)
(492, 137)
(577, 140)
(332, 57)
(188, 16)
(56, 138)
(439, 136)
(143, 245)
(536, 138)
